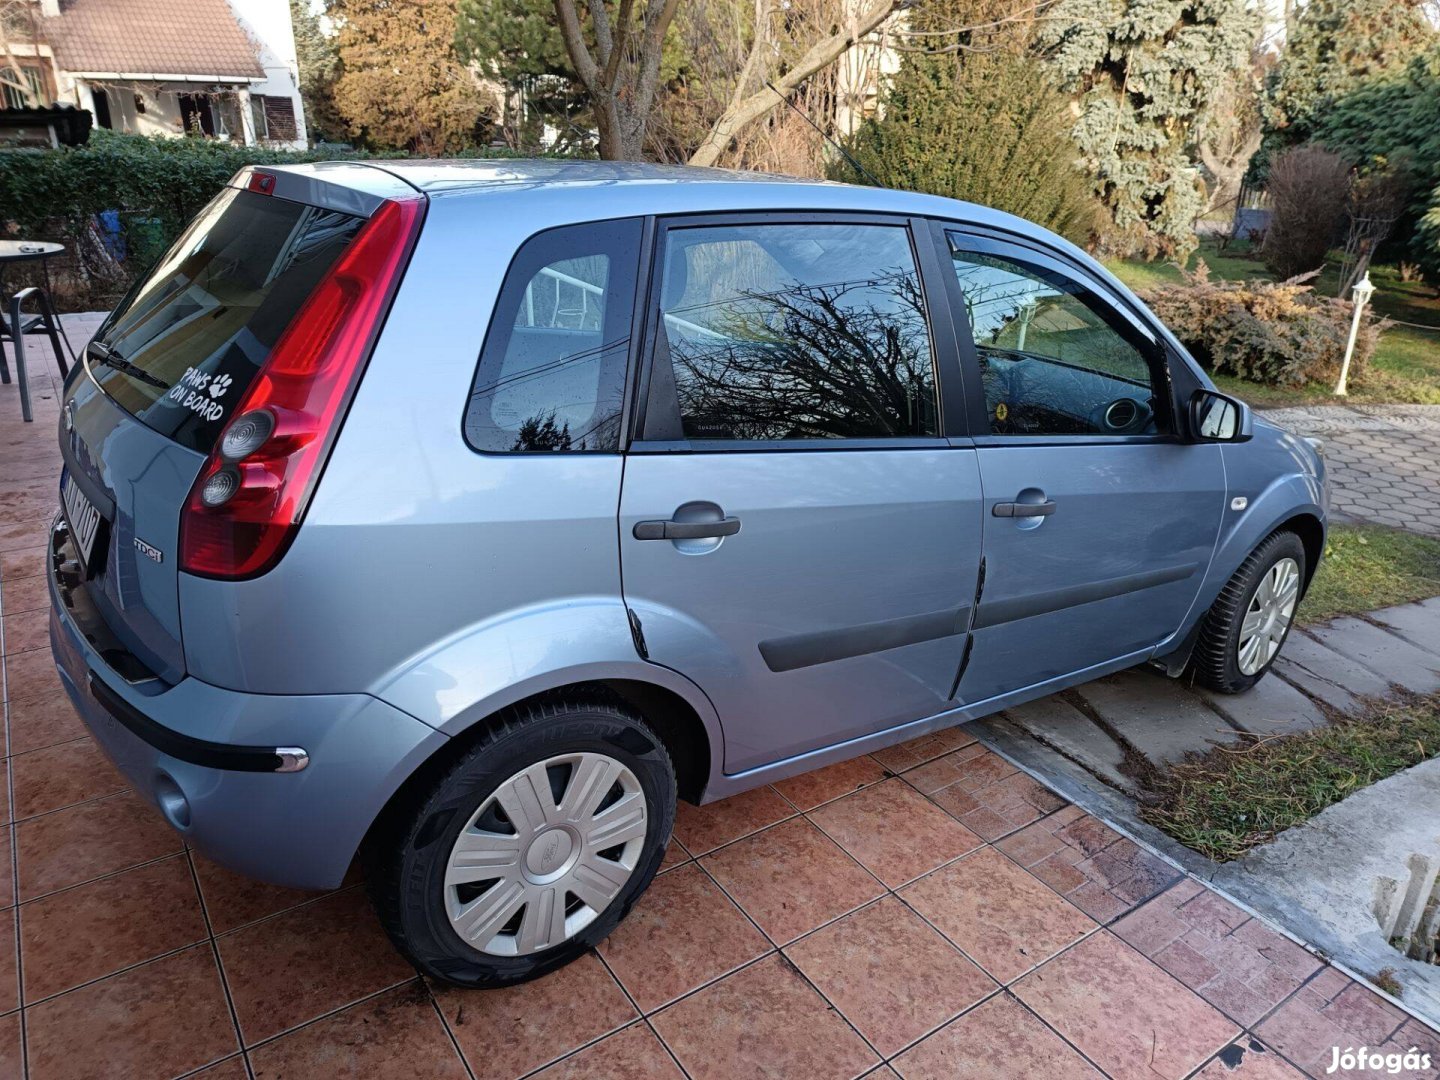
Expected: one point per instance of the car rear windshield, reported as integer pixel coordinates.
(185, 343)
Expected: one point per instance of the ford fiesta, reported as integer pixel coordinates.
(462, 516)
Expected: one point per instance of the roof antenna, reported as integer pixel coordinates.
(843, 152)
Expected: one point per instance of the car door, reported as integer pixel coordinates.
(797, 535)
(1099, 521)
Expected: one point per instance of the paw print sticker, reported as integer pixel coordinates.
(220, 385)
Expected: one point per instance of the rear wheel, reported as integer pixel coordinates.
(529, 849)
(1251, 618)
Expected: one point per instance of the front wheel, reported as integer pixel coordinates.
(529, 849)
(1244, 629)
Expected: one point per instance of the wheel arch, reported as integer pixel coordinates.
(1305, 523)
(674, 720)
(1311, 531)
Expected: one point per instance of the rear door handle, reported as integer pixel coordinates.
(685, 530)
(1044, 509)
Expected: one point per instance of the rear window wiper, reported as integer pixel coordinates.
(98, 350)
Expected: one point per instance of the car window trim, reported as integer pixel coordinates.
(657, 424)
(1005, 246)
(1142, 319)
(797, 446)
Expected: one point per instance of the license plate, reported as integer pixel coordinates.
(82, 517)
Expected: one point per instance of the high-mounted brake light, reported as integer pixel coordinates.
(262, 182)
(249, 498)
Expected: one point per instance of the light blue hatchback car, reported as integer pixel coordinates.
(464, 515)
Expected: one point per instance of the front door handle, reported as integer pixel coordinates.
(686, 530)
(1042, 509)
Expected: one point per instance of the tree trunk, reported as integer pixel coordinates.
(621, 88)
(607, 124)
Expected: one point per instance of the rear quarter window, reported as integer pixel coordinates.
(551, 376)
(184, 345)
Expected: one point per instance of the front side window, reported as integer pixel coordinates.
(552, 372)
(1050, 361)
(787, 332)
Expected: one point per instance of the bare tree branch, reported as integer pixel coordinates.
(574, 36)
(620, 78)
(820, 55)
(654, 47)
(604, 41)
(617, 50)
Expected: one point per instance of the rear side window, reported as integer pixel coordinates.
(182, 348)
(552, 371)
(795, 332)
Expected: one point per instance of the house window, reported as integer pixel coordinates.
(101, 100)
(17, 98)
(226, 110)
(274, 118)
(196, 116)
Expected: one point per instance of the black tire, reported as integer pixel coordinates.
(406, 856)
(1215, 662)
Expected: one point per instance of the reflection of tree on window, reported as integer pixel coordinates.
(811, 362)
(542, 433)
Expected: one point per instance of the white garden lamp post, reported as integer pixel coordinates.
(1362, 292)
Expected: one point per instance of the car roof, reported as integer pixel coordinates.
(667, 188)
(445, 174)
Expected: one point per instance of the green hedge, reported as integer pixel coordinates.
(164, 178)
(155, 183)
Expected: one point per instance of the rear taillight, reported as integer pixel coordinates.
(248, 500)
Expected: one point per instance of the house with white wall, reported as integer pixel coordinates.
(225, 69)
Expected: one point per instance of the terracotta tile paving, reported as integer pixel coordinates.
(890, 973)
(999, 1039)
(765, 1020)
(1124, 1013)
(925, 911)
(791, 878)
(998, 913)
(915, 838)
(684, 933)
(1236, 963)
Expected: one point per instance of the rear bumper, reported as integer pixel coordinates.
(191, 750)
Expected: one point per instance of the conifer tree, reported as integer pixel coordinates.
(1142, 74)
(988, 127)
(1332, 48)
(402, 85)
(319, 65)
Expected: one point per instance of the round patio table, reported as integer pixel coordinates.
(14, 251)
(22, 250)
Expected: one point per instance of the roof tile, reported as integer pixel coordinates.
(153, 37)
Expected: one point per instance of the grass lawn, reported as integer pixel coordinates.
(1368, 567)
(1406, 366)
(1227, 801)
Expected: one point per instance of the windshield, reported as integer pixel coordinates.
(183, 346)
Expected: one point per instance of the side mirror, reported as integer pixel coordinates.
(1214, 417)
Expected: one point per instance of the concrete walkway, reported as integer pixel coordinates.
(1384, 460)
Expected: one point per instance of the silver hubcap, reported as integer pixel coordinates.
(1268, 616)
(545, 854)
